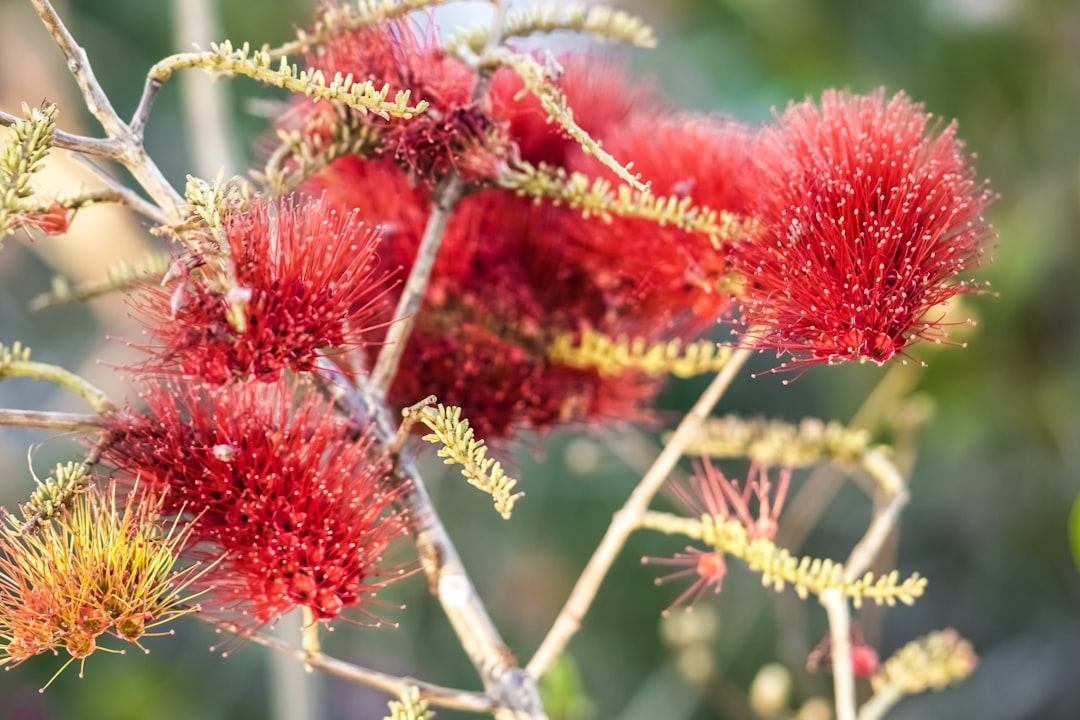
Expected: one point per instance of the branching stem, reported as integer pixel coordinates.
(628, 518)
(122, 145)
(434, 694)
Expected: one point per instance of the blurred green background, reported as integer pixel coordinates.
(997, 464)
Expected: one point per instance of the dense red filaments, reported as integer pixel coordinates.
(512, 274)
(666, 275)
(455, 132)
(280, 487)
(310, 275)
(866, 220)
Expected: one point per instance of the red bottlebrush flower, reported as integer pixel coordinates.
(456, 132)
(309, 274)
(52, 221)
(511, 274)
(664, 274)
(504, 285)
(298, 509)
(711, 493)
(706, 567)
(866, 220)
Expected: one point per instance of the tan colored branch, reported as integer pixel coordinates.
(60, 421)
(627, 519)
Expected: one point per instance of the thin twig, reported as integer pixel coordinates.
(883, 524)
(127, 196)
(434, 694)
(123, 146)
(102, 147)
(444, 199)
(836, 607)
(512, 688)
(627, 518)
(862, 557)
(61, 421)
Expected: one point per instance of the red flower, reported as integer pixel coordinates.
(598, 91)
(707, 568)
(865, 223)
(55, 220)
(455, 132)
(711, 493)
(663, 274)
(281, 487)
(512, 274)
(310, 274)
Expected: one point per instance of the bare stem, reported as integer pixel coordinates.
(881, 703)
(862, 557)
(512, 689)
(434, 694)
(444, 199)
(836, 607)
(62, 421)
(628, 518)
(885, 520)
(79, 143)
(123, 145)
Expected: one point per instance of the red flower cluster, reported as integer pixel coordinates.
(280, 487)
(309, 274)
(513, 274)
(865, 223)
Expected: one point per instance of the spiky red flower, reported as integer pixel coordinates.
(706, 567)
(866, 220)
(666, 275)
(501, 290)
(511, 274)
(308, 273)
(711, 493)
(282, 487)
(456, 132)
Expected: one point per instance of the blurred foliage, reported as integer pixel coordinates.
(997, 467)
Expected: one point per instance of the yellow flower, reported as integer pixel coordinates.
(95, 568)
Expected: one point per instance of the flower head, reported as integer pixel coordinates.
(512, 275)
(279, 486)
(661, 273)
(866, 219)
(706, 567)
(308, 274)
(94, 569)
(456, 132)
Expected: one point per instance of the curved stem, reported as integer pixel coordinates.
(58, 375)
(434, 694)
(628, 518)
